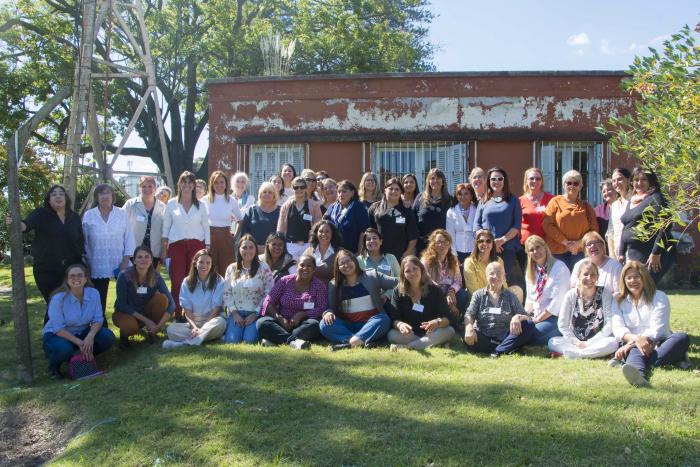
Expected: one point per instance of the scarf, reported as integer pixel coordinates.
(541, 281)
(636, 199)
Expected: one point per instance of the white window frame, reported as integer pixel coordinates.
(395, 159)
(558, 157)
(265, 160)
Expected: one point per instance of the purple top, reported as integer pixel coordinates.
(289, 302)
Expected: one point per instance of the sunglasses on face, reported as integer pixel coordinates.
(534, 179)
(496, 179)
(572, 183)
(310, 179)
(484, 240)
(299, 187)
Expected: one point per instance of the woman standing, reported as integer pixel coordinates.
(431, 207)
(288, 173)
(501, 214)
(547, 280)
(201, 299)
(247, 282)
(200, 188)
(460, 221)
(477, 178)
(163, 194)
(355, 315)
(444, 269)
(641, 320)
(222, 209)
(651, 252)
(276, 256)
(419, 310)
(145, 215)
(291, 310)
(369, 190)
(532, 204)
(330, 194)
(409, 182)
(621, 183)
(567, 219)
(143, 299)
(58, 240)
(349, 215)
(608, 268)
(185, 232)
(75, 322)
(241, 195)
(324, 242)
(109, 240)
(278, 183)
(585, 320)
(394, 220)
(296, 218)
(603, 210)
(261, 220)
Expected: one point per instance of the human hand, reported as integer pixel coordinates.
(645, 345)
(429, 326)
(469, 335)
(516, 326)
(328, 318)
(653, 264)
(250, 319)
(404, 328)
(238, 320)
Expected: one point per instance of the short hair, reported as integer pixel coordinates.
(162, 189)
(650, 176)
(147, 178)
(591, 235)
(242, 175)
(102, 188)
(499, 266)
(470, 190)
(648, 285)
(348, 185)
(575, 175)
(268, 186)
(47, 197)
(607, 181)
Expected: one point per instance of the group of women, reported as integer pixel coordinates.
(309, 259)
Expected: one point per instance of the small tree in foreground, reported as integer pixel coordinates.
(663, 134)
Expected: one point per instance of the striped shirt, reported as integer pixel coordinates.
(357, 304)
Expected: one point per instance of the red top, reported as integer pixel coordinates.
(533, 215)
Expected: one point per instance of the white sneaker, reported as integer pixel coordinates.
(633, 376)
(168, 344)
(569, 355)
(194, 341)
(267, 343)
(614, 363)
(300, 344)
(396, 347)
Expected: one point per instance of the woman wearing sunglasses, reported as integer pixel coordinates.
(567, 219)
(297, 216)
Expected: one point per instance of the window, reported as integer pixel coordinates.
(557, 158)
(267, 159)
(400, 158)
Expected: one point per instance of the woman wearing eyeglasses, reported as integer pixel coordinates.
(532, 203)
(475, 265)
(567, 219)
(608, 268)
(297, 216)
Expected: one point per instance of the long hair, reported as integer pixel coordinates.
(192, 277)
(64, 287)
(430, 256)
(254, 265)
(281, 190)
(132, 274)
(187, 175)
(371, 230)
(383, 204)
(339, 278)
(364, 196)
(336, 238)
(474, 256)
(212, 179)
(586, 264)
(415, 182)
(506, 183)
(425, 280)
(271, 238)
(648, 286)
(651, 177)
(526, 175)
(47, 197)
(445, 198)
(549, 262)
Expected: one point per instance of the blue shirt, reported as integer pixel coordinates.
(202, 301)
(66, 313)
(130, 301)
(499, 218)
(350, 221)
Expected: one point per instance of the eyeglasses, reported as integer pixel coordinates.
(534, 179)
(496, 179)
(572, 183)
(310, 179)
(300, 188)
(592, 244)
(76, 276)
(484, 240)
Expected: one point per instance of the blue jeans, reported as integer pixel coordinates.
(236, 334)
(341, 330)
(512, 342)
(569, 259)
(544, 330)
(59, 349)
(669, 351)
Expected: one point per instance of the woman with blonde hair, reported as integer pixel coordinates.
(641, 320)
(431, 207)
(419, 310)
(261, 220)
(608, 268)
(145, 214)
(369, 189)
(532, 204)
(567, 218)
(444, 269)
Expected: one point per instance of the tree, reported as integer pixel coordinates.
(663, 132)
(192, 41)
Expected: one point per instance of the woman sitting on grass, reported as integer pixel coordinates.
(484, 252)
(609, 269)
(291, 310)
(143, 299)
(495, 322)
(276, 256)
(201, 299)
(641, 320)
(444, 269)
(373, 257)
(75, 321)
(246, 284)
(355, 315)
(419, 310)
(324, 241)
(585, 319)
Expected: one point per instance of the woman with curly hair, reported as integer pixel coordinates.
(443, 268)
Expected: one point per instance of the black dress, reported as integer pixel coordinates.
(397, 225)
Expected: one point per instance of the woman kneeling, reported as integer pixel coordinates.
(419, 309)
(495, 322)
(201, 299)
(75, 322)
(355, 314)
(585, 320)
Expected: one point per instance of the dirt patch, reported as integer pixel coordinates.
(29, 436)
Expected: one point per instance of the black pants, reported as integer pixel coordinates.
(47, 282)
(102, 286)
(271, 330)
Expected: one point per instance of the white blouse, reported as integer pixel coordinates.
(201, 301)
(107, 243)
(181, 225)
(608, 275)
(647, 319)
(222, 212)
(461, 230)
(615, 226)
(553, 292)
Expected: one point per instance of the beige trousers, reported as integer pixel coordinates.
(208, 330)
(437, 337)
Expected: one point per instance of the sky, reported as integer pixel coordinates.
(535, 35)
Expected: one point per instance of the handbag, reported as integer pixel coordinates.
(81, 368)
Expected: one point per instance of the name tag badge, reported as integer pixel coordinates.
(142, 290)
(494, 311)
(401, 220)
(384, 267)
(141, 218)
(540, 208)
(308, 305)
(307, 217)
(418, 307)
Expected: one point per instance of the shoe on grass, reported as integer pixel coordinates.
(396, 347)
(343, 346)
(169, 344)
(195, 341)
(555, 355)
(300, 344)
(267, 343)
(685, 363)
(55, 374)
(633, 376)
(614, 363)
(494, 355)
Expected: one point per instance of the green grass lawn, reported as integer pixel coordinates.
(249, 405)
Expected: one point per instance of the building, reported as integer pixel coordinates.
(394, 124)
